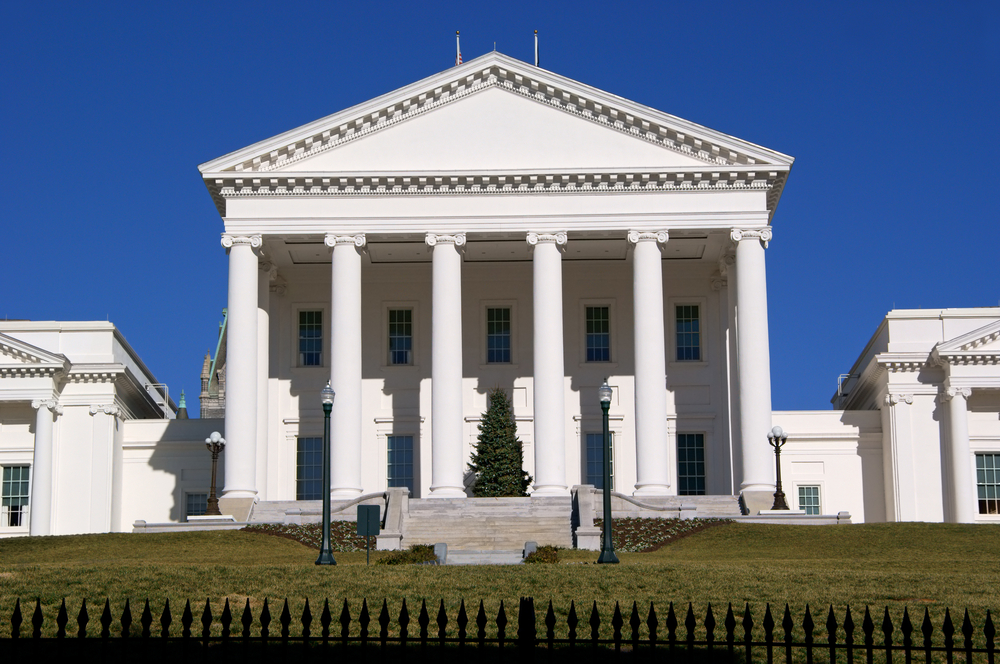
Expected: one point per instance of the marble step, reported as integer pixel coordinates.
(483, 557)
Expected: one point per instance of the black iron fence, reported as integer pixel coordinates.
(739, 636)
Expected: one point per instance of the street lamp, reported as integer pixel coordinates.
(215, 444)
(326, 551)
(608, 547)
(777, 439)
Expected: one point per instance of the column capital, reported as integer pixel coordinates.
(893, 399)
(762, 234)
(719, 284)
(254, 241)
(660, 237)
(433, 239)
(725, 262)
(51, 404)
(270, 268)
(107, 409)
(952, 392)
(558, 239)
(332, 239)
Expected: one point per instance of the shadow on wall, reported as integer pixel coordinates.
(166, 464)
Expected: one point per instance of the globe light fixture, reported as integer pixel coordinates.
(607, 547)
(777, 439)
(326, 550)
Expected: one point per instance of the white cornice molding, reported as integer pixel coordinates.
(95, 373)
(902, 362)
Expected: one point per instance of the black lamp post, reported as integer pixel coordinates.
(777, 439)
(215, 444)
(325, 550)
(608, 547)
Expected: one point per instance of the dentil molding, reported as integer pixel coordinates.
(762, 234)
(535, 239)
(660, 237)
(433, 239)
(51, 404)
(894, 399)
(332, 240)
(254, 241)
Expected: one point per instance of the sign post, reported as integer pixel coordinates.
(369, 521)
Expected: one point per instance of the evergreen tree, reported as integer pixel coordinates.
(497, 459)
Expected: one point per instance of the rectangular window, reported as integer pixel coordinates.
(688, 333)
(195, 504)
(598, 334)
(310, 338)
(987, 483)
(14, 509)
(498, 335)
(809, 499)
(400, 461)
(400, 336)
(595, 460)
(309, 469)
(691, 464)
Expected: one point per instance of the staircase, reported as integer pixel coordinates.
(488, 524)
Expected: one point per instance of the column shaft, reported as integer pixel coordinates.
(754, 360)
(651, 444)
(962, 484)
(263, 357)
(447, 458)
(241, 369)
(345, 361)
(40, 503)
(548, 386)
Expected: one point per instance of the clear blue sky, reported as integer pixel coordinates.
(891, 110)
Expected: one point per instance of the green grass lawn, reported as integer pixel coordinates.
(894, 565)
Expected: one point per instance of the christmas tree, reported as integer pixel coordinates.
(497, 459)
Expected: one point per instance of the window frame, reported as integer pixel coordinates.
(703, 462)
(586, 457)
(414, 333)
(819, 497)
(295, 358)
(412, 486)
(485, 306)
(298, 337)
(187, 497)
(987, 515)
(300, 493)
(25, 511)
(612, 360)
(702, 303)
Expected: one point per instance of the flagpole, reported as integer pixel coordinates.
(536, 48)
(458, 51)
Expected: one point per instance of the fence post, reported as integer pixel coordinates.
(768, 625)
(887, 630)
(906, 627)
(831, 631)
(146, 620)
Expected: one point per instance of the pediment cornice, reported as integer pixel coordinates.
(977, 347)
(21, 359)
(727, 160)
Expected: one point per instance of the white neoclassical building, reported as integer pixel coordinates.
(499, 225)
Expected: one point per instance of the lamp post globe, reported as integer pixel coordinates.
(777, 439)
(604, 393)
(326, 550)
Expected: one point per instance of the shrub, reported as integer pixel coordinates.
(543, 554)
(418, 553)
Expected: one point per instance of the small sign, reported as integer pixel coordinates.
(369, 520)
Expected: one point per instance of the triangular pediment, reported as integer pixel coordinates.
(16, 354)
(985, 340)
(499, 114)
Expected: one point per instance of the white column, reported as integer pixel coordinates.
(345, 363)
(727, 266)
(40, 501)
(651, 445)
(754, 359)
(267, 272)
(963, 482)
(241, 368)
(447, 461)
(548, 384)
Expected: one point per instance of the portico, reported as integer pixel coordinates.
(497, 224)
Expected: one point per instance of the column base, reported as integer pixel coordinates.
(237, 505)
(650, 490)
(344, 494)
(541, 491)
(446, 492)
(760, 500)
